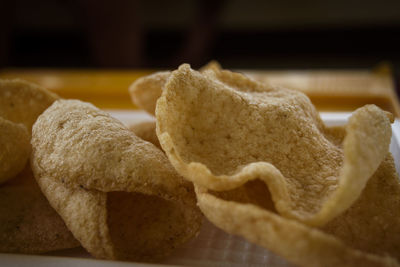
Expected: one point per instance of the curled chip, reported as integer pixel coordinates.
(266, 167)
(28, 224)
(147, 131)
(220, 130)
(15, 149)
(372, 223)
(365, 235)
(22, 102)
(146, 90)
(118, 194)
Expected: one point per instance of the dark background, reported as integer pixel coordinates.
(162, 34)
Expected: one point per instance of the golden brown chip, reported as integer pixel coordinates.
(366, 234)
(297, 242)
(146, 90)
(372, 223)
(22, 102)
(28, 224)
(118, 194)
(147, 131)
(212, 65)
(15, 149)
(220, 130)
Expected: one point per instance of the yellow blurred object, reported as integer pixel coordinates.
(339, 90)
(103, 88)
(335, 90)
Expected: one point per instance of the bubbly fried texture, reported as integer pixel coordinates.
(15, 149)
(147, 131)
(146, 90)
(372, 223)
(20, 104)
(300, 244)
(22, 101)
(28, 224)
(118, 194)
(220, 129)
(365, 234)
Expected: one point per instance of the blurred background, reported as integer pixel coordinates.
(71, 45)
(162, 34)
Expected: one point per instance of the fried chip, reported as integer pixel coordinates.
(15, 149)
(147, 131)
(22, 101)
(146, 90)
(20, 104)
(249, 211)
(118, 194)
(220, 130)
(372, 223)
(212, 65)
(28, 224)
(366, 234)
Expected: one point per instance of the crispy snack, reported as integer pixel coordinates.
(118, 194)
(22, 102)
(28, 224)
(220, 130)
(365, 235)
(15, 149)
(146, 90)
(212, 65)
(265, 151)
(147, 131)
(372, 223)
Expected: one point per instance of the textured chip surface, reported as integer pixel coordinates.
(22, 101)
(367, 234)
(220, 130)
(147, 131)
(300, 244)
(118, 194)
(28, 224)
(372, 223)
(146, 90)
(20, 104)
(15, 149)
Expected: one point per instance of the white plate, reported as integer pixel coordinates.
(212, 247)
